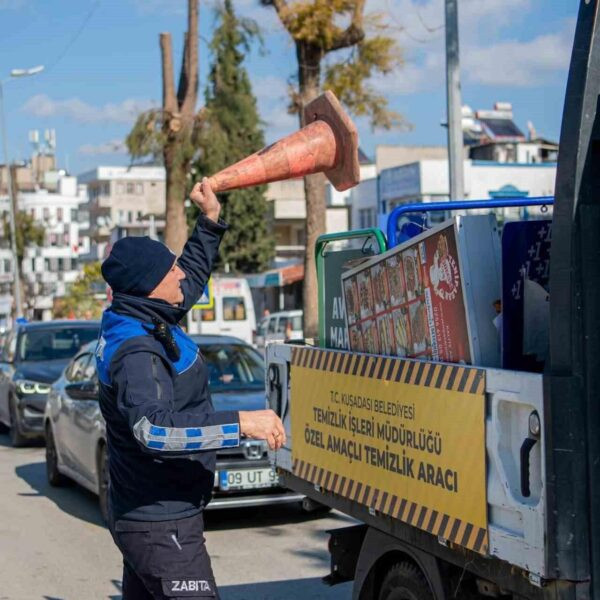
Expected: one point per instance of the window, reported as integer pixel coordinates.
(366, 218)
(234, 309)
(106, 189)
(130, 216)
(282, 324)
(59, 214)
(139, 189)
(262, 327)
(207, 314)
(45, 343)
(130, 188)
(46, 213)
(272, 324)
(121, 216)
(233, 367)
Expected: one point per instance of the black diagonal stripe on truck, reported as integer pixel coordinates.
(408, 373)
(453, 374)
(420, 370)
(463, 380)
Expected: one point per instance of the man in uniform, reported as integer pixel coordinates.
(162, 430)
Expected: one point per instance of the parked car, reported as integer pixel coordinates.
(76, 431)
(32, 357)
(279, 327)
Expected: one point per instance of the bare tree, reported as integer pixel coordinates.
(173, 131)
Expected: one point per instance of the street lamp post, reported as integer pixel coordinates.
(13, 201)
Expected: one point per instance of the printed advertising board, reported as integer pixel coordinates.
(403, 437)
(432, 297)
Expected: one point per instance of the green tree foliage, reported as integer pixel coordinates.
(81, 301)
(356, 49)
(29, 233)
(231, 131)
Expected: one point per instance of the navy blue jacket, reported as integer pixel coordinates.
(162, 429)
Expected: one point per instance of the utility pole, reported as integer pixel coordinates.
(12, 214)
(454, 104)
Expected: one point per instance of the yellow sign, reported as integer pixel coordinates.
(404, 437)
(207, 300)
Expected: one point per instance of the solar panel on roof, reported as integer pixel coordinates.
(502, 128)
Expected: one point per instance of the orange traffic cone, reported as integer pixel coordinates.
(329, 144)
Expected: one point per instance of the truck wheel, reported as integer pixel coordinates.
(103, 483)
(54, 476)
(404, 581)
(17, 439)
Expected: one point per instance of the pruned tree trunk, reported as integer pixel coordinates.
(179, 117)
(309, 71)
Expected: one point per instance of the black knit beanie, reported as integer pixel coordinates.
(136, 265)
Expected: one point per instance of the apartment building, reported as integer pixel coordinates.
(121, 197)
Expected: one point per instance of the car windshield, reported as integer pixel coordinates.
(233, 367)
(54, 343)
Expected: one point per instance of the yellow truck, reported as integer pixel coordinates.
(464, 479)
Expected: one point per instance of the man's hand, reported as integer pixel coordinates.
(263, 425)
(204, 198)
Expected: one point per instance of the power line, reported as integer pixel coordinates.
(75, 36)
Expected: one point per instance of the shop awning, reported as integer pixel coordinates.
(277, 277)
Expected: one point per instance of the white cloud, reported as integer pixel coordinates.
(126, 111)
(112, 147)
(522, 64)
(487, 56)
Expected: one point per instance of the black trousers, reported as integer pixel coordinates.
(164, 559)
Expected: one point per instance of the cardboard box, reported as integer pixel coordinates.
(432, 297)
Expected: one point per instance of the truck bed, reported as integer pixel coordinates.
(481, 415)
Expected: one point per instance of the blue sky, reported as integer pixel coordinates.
(95, 82)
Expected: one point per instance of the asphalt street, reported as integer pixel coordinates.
(54, 546)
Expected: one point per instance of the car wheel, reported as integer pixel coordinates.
(17, 439)
(405, 581)
(103, 479)
(55, 477)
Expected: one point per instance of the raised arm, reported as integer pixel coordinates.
(201, 249)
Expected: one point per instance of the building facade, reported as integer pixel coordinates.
(47, 269)
(121, 197)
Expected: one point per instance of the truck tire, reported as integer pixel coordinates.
(404, 581)
(54, 476)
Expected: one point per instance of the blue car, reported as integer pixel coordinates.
(33, 356)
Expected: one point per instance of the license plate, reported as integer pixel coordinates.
(247, 479)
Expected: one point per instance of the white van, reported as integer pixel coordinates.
(232, 311)
(280, 326)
